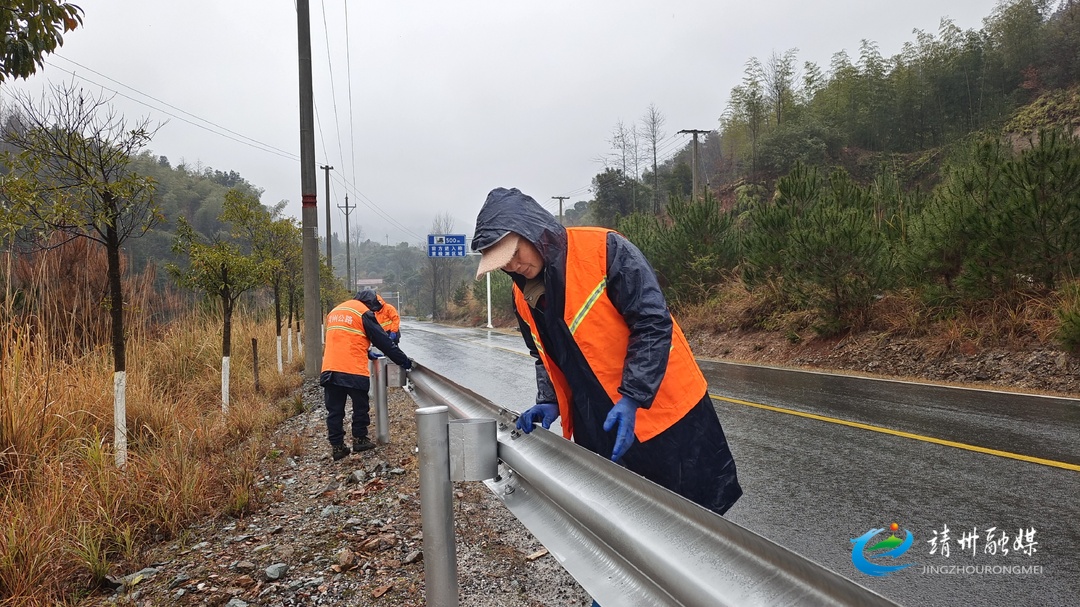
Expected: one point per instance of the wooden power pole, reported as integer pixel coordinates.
(310, 208)
(560, 199)
(329, 258)
(348, 256)
(694, 161)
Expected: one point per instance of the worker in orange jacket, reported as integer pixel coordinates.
(351, 330)
(610, 359)
(389, 319)
(386, 314)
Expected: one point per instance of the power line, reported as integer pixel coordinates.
(322, 136)
(333, 93)
(260, 146)
(349, 187)
(166, 104)
(578, 191)
(253, 143)
(348, 73)
(670, 143)
(240, 138)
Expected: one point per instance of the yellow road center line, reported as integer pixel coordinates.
(919, 437)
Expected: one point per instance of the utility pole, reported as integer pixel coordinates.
(694, 161)
(329, 258)
(308, 196)
(348, 256)
(560, 199)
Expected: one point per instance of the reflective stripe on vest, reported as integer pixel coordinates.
(346, 343)
(597, 292)
(602, 335)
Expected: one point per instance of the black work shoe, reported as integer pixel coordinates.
(362, 444)
(339, 452)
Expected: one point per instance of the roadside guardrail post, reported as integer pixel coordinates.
(436, 507)
(382, 415)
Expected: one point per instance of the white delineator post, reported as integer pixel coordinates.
(120, 418)
(280, 369)
(488, 276)
(224, 384)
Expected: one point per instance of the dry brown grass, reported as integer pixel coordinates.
(716, 314)
(734, 306)
(296, 446)
(1015, 322)
(70, 515)
(1011, 322)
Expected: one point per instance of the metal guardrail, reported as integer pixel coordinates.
(626, 540)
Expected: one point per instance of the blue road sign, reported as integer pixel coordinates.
(446, 245)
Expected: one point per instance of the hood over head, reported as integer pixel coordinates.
(509, 210)
(369, 299)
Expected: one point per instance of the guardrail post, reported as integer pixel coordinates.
(382, 415)
(436, 507)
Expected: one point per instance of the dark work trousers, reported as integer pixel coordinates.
(334, 399)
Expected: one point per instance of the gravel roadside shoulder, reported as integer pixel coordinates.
(344, 533)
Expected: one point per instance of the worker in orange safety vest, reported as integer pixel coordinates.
(351, 330)
(611, 361)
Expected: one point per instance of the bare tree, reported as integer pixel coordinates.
(78, 150)
(778, 76)
(440, 266)
(355, 236)
(652, 124)
(620, 145)
(748, 108)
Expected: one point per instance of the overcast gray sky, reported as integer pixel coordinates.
(433, 103)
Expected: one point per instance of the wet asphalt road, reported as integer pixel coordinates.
(813, 483)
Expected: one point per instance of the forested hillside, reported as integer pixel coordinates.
(867, 114)
(196, 193)
(899, 192)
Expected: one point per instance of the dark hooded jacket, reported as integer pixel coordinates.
(632, 287)
(634, 291)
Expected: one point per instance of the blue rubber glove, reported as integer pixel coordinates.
(373, 355)
(623, 415)
(393, 335)
(545, 413)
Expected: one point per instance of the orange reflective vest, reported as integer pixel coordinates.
(388, 317)
(601, 333)
(346, 343)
